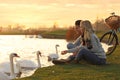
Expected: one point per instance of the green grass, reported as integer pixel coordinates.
(54, 34)
(82, 71)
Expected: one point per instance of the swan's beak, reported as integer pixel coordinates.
(17, 56)
(57, 45)
(40, 54)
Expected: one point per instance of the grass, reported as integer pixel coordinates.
(55, 34)
(82, 71)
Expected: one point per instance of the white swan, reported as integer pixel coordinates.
(106, 46)
(12, 73)
(3, 76)
(54, 56)
(30, 65)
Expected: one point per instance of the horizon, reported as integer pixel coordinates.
(47, 13)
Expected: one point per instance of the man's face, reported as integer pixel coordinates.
(79, 29)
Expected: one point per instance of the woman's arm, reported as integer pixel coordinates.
(96, 46)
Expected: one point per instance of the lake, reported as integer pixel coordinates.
(26, 46)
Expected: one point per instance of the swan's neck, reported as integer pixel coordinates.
(12, 74)
(56, 50)
(38, 60)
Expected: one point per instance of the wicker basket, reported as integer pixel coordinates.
(113, 22)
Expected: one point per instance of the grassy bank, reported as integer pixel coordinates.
(54, 34)
(82, 71)
(60, 33)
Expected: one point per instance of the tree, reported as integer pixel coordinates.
(100, 25)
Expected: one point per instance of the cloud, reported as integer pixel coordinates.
(70, 5)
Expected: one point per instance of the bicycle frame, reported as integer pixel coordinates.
(113, 32)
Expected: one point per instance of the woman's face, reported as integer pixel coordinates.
(79, 29)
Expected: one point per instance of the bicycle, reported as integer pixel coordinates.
(110, 38)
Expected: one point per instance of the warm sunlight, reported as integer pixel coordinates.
(45, 12)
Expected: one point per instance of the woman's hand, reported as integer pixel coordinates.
(63, 52)
(74, 54)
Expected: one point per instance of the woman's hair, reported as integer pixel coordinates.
(88, 30)
(87, 26)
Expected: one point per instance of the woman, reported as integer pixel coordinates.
(90, 48)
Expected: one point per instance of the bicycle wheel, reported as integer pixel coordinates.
(110, 41)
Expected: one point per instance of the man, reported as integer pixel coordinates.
(77, 42)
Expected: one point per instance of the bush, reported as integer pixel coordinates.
(71, 34)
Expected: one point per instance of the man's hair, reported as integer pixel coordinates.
(77, 22)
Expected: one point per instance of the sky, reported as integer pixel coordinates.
(60, 12)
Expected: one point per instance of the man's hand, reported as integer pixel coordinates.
(63, 52)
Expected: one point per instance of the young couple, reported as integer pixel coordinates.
(87, 46)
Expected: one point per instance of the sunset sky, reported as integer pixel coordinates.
(48, 12)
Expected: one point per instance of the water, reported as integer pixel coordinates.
(25, 48)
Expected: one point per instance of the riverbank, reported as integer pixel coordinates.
(82, 71)
(53, 34)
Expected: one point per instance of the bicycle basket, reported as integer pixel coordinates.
(113, 22)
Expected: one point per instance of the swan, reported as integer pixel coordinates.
(106, 46)
(28, 64)
(10, 75)
(54, 56)
(3, 76)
